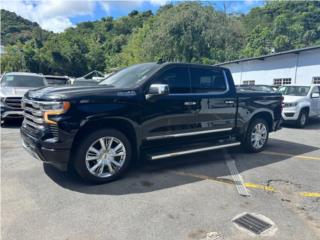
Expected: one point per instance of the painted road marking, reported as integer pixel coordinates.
(246, 184)
(259, 186)
(290, 155)
(310, 194)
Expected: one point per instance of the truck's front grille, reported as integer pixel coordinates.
(54, 131)
(13, 102)
(33, 118)
(32, 114)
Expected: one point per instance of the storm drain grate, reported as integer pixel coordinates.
(252, 223)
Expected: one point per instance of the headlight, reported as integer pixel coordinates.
(287, 105)
(52, 109)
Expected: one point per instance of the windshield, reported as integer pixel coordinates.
(131, 76)
(294, 90)
(22, 81)
(256, 88)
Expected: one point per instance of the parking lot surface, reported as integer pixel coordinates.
(191, 197)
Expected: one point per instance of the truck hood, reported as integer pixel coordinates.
(291, 99)
(71, 92)
(13, 91)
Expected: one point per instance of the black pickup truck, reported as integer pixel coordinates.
(146, 111)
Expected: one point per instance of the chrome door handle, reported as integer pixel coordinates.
(229, 102)
(189, 103)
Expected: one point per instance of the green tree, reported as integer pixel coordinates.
(13, 60)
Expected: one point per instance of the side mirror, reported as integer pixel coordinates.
(315, 95)
(157, 90)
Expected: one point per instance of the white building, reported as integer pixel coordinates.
(300, 66)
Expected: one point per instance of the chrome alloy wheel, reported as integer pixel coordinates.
(259, 136)
(105, 157)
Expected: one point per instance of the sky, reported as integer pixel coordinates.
(58, 15)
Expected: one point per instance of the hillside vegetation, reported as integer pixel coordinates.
(17, 29)
(188, 32)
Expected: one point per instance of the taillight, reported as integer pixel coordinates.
(282, 103)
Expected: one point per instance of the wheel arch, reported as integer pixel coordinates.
(305, 108)
(121, 124)
(264, 114)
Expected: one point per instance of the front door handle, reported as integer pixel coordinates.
(229, 102)
(190, 103)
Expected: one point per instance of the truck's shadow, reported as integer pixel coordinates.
(13, 123)
(179, 171)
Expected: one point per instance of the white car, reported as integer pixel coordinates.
(300, 103)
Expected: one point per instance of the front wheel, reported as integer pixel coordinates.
(257, 136)
(303, 119)
(103, 156)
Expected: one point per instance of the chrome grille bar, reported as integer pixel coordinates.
(32, 124)
(33, 111)
(34, 119)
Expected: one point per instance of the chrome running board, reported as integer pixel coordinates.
(174, 154)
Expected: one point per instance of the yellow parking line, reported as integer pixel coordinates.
(290, 155)
(247, 184)
(309, 194)
(259, 186)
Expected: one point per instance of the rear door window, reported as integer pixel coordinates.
(207, 80)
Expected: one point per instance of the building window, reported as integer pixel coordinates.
(249, 82)
(316, 80)
(281, 81)
(277, 82)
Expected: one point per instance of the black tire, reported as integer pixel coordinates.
(247, 143)
(79, 159)
(302, 119)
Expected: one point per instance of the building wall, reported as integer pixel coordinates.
(301, 68)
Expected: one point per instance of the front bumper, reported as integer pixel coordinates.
(290, 114)
(7, 112)
(45, 150)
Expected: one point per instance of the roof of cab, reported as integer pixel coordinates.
(191, 64)
(23, 74)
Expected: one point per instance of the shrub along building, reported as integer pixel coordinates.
(299, 66)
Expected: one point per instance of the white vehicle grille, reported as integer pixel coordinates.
(13, 102)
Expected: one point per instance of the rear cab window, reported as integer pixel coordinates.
(206, 80)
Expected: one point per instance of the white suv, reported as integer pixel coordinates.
(300, 103)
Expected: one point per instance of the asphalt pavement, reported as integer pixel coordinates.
(193, 197)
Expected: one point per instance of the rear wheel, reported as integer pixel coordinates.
(257, 136)
(103, 156)
(303, 119)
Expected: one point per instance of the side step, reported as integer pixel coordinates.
(195, 150)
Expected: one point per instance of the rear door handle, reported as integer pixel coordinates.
(190, 103)
(229, 102)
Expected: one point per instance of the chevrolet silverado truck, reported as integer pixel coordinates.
(146, 111)
(300, 103)
(13, 86)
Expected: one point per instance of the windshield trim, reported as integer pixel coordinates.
(155, 68)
